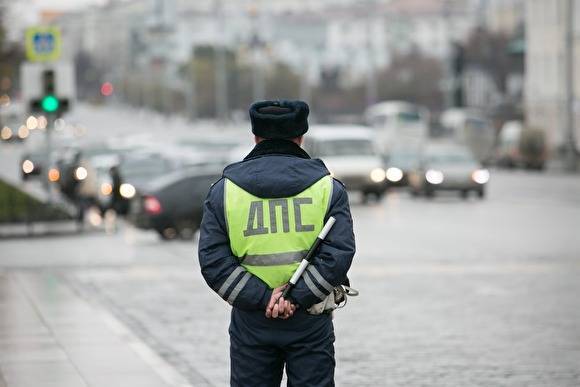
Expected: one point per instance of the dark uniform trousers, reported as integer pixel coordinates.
(261, 347)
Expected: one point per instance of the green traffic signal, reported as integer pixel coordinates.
(50, 103)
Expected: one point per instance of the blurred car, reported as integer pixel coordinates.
(35, 160)
(173, 204)
(350, 154)
(32, 164)
(209, 150)
(398, 163)
(472, 128)
(398, 122)
(97, 187)
(92, 171)
(138, 169)
(448, 167)
(12, 124)
(521, 147)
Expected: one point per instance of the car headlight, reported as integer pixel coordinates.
(27, 166)
(6, 133)
(480, 176)
(106, 189)
(53, 175)
(434, 177)
(81, 173)
(378, 175)
(394, 174)
(23, 132)
(127, 190)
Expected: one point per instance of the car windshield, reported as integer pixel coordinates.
(143, 167)
(209, 146)
(402, 159)
(450, 157)
(476, 124)
(346, 148)
(409, 116)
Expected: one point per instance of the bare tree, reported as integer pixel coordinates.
(415, 78)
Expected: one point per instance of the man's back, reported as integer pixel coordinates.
(258, 221)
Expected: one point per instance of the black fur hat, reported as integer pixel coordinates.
(279, 119)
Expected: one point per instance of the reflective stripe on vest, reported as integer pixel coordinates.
(270, 236)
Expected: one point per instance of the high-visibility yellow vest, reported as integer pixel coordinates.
(270, 236)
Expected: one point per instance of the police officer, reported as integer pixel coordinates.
(259, 219)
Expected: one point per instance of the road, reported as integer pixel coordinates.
(453, 292)
(466, 293)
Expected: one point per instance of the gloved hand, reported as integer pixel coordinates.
(278, 307)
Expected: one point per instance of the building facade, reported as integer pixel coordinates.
(546, 78)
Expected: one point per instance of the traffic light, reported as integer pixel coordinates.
(49, 102)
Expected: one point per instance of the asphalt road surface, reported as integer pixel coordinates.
(453, 292)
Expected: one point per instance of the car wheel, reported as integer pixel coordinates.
(167, 234)
(187, 229)
(429, 193)
(481, 193)
(366, 197)
(464, 194)
(186, 233)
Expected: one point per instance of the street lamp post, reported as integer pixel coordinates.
(258, 86)
(570, 138)
(221, 84)
(371, 79)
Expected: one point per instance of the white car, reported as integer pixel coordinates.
(350, 153)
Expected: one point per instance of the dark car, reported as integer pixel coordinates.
(35, 160)
(32, 164)
(172, 204)
(136, 171)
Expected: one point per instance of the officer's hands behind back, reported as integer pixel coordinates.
(278, 307)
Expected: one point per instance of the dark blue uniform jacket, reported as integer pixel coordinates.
(274, 169)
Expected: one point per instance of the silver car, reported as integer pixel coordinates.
(448, 167)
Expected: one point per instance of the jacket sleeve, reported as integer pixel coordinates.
(330, 266)
(219, 267)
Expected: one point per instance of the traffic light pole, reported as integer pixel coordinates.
(570, 137)
(50, 119)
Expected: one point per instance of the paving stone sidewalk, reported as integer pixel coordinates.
(50, 337)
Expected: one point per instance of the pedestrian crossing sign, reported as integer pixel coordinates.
(43, 44)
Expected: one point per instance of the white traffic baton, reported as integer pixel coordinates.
(308, 257)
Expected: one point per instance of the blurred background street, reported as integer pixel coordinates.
(452, 123)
